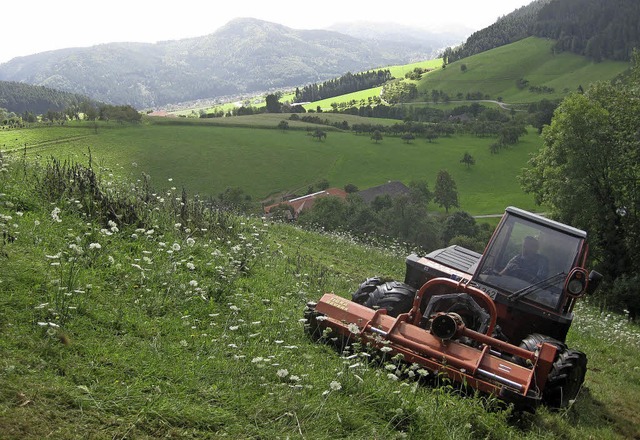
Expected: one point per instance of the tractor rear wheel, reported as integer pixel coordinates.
(567, 373)
(394, 296)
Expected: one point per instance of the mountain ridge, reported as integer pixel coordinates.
(245, 55)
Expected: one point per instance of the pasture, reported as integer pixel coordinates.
(206, 159)
(496, 71)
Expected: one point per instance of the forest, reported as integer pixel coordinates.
(347, 83)
(19, 98)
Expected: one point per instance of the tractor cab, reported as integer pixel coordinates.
(532, 269)
(530, 259)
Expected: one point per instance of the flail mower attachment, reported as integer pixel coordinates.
(444, 345)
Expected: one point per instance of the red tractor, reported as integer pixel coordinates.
(496, 322)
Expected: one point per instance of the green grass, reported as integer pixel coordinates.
(164, 334)
(206, 159)
(496, 71)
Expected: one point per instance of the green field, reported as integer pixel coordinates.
(206, 159)
(495, 72)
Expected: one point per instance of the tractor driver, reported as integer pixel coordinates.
(529, 265)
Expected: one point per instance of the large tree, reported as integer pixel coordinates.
(588, 171)
(445, 193)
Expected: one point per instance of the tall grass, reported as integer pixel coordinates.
(183, 321)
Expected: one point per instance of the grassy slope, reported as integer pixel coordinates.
(207, 159)
(396, 72)
(495, 72)
(147, 353)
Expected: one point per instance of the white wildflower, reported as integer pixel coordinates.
(282, 373)
(55, 214)
(95, 246)
(335, 386)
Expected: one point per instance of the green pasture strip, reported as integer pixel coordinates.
(401, 70)
(325, 104)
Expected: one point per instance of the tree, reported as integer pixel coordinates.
(445, 193)
(317, 133)
(273, 103)
(376, 136)
(468, 160)
(323, 184)
(283, 125)
(420, 192)
(458, 224)
(407, 137)
(586, 173)
(463, 68)
(350, 188)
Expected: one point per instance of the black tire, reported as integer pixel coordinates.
(567, 373)
(394, 296)
(565, 379)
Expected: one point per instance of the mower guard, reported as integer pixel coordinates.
(490, 365)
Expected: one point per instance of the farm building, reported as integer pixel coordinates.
(299, 204)
(392, 189)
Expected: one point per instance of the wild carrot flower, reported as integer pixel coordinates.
(55, 214)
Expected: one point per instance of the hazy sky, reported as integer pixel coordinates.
(39, 25)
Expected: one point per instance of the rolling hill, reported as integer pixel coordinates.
(521, 72)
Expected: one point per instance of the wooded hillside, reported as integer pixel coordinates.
(598, 29)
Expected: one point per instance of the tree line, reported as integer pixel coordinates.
(19, 98)
(347, 83)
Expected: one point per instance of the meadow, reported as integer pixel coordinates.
(205, 158)
(496, 71)
(128, 313)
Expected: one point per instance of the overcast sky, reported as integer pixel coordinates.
(41, 25)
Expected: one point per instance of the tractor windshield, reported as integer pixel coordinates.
(529, 261)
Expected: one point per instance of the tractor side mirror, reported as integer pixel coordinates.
(595, 278)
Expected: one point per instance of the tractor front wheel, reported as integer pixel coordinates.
(565, 379)
(567, 373)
